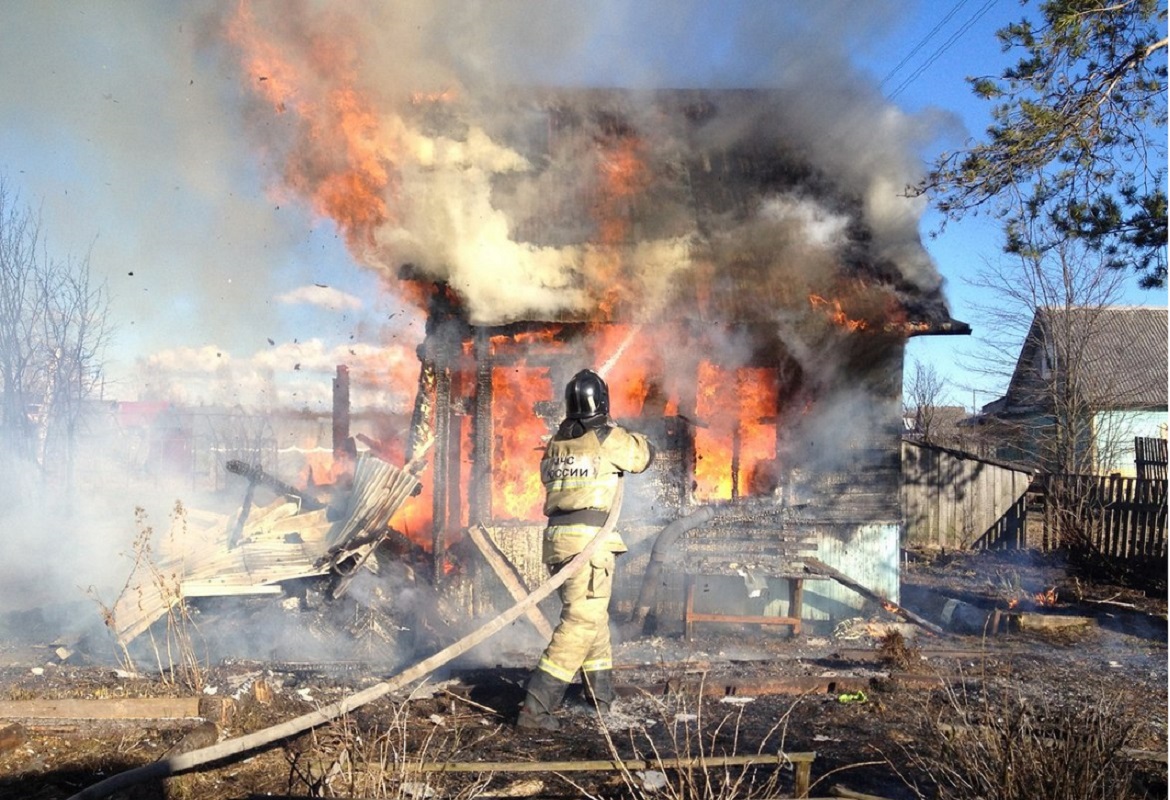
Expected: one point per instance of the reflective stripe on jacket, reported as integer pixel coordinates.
(583, 473)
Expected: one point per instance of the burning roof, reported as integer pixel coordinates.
(665, 205)
(597, 204)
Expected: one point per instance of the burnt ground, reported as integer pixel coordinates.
(875, 698)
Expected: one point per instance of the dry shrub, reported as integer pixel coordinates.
(1021, 748)
(177, 649)
(893, 650)
(396, 760)
(179, 657)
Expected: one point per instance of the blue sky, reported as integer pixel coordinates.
(125, 126)
(941, 50)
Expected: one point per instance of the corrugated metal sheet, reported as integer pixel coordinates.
(277, 542)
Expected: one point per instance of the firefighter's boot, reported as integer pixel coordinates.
(544, 696)
(599, 689)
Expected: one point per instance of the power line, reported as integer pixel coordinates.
(954, 10)
(983, 9)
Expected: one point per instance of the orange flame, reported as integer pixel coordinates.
(836, 313)
(622, 174)
(516, 444)
(340, 160)
(735, 456)
(635, 369)
(1046, 597)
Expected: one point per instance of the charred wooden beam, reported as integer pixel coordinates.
(423, 414)
(442, 468)
(479, 493)
(255, 474)
(439, 356)
(819, 567)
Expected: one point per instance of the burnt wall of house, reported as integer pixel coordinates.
(831, 477)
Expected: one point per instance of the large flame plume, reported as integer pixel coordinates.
(643, 216)
(529, 205)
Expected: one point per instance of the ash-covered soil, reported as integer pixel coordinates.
(872, 697)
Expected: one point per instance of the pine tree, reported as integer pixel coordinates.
(1078, 139)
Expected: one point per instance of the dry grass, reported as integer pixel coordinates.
(176, 652)
(404, 758)
(346, 759)
(685, 732)
(1003, 745)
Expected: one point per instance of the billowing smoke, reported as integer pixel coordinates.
(435, 135)
(425, 131)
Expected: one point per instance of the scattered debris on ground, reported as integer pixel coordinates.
(864, 699)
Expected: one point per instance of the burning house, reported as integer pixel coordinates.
(742, 266)
(747, 298)
(747, 306)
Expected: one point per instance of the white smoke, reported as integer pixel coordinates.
(153, 137)
(460, 182)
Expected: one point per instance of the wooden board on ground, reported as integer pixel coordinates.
(509, 576)
(112, 708)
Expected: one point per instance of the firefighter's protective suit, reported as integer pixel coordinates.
(581, 468)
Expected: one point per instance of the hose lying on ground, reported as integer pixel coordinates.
(187, 761)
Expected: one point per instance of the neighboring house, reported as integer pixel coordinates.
(1088, 381)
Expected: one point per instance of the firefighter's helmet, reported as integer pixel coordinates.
(586, 395)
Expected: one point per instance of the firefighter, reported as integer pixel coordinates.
(581, 468)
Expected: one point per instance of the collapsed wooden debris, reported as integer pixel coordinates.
(508, 575)
(256, 550)
(181, 762)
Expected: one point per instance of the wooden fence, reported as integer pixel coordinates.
(952, 499)
(1120, 518)
(1150, 457)
(957, 500)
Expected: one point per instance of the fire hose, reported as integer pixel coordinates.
(663, 544)
(184, 762)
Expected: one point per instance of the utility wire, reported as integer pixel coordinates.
(954, 10)
(954, 37)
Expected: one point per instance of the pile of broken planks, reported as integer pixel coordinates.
(256, 550)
